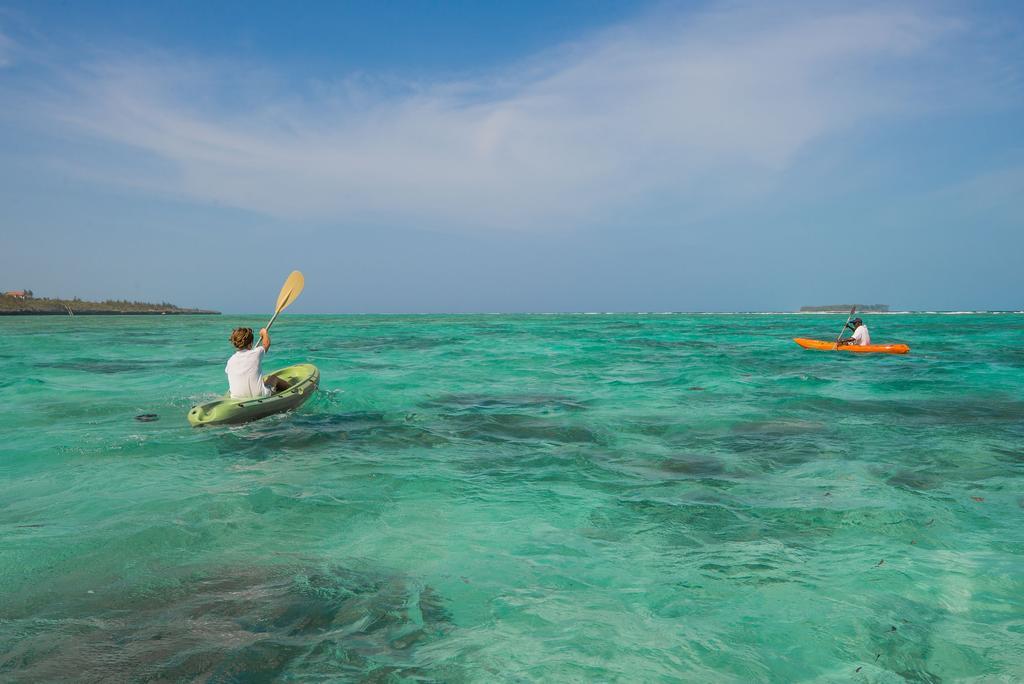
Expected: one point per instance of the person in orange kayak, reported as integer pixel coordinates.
(860, 333)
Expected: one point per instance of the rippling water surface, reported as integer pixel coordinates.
(516, 498)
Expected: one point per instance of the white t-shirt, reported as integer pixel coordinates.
(862, 336)
(245, 374)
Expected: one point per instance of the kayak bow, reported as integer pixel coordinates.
(866, 349)
(302, 380)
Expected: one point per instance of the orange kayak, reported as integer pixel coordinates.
(867, 349)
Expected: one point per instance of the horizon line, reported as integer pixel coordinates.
(634, 313)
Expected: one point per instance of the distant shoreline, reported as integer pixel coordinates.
(111, 312)
(22, 303)
(843, 308)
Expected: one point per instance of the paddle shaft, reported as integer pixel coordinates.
(272, 320)
(844, 325)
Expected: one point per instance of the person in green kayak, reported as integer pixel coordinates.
(860, 335)
(245, 367)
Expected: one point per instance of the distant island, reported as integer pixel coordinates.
(23, 303)
(845, 308)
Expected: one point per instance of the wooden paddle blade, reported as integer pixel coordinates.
(290, 291)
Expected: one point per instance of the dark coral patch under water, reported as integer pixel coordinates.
(237, 624)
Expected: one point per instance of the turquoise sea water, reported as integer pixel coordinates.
(516, 498)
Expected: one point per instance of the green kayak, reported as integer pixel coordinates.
(302, 379)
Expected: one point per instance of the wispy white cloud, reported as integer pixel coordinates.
(6, 51)
(670, 106)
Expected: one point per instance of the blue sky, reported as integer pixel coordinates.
(528, 156)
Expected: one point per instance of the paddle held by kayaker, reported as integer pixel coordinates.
(245, 367)
(860, 335)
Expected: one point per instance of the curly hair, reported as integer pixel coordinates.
(241, 338)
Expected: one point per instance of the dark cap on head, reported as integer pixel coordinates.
(857, 321)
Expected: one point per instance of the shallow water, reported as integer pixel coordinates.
(516, 498)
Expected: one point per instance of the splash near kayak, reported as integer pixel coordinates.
(822, 345)
(300, 381)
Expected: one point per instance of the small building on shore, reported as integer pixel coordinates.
(18, 294)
